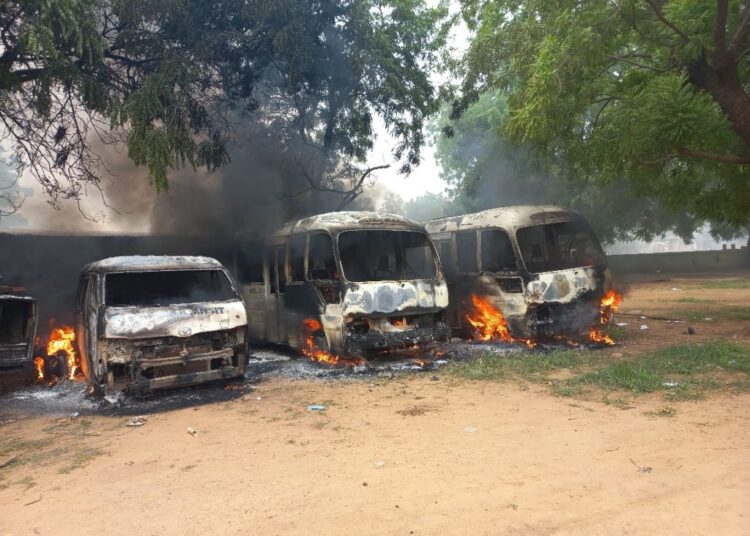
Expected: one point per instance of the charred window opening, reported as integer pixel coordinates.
(386, 256)
(250, 264)
(297, 257)
(15, 319)
(497, 252)
(167, 288)
(466, 249)
(321, 263)
(559, 246)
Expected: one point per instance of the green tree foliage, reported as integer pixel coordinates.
(169, 78)
(650, 96)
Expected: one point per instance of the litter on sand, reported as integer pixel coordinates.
(470, 429)
(140, 420)
(316, 407)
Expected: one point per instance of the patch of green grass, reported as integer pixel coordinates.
(690, 299)
(618, 333)
(522, 365)
(671, 369)
(683, 372)
(726, 283)
(666, 411)
(81, 459)
(724, 313)
(23, 445)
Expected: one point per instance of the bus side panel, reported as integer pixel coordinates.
(254, 295)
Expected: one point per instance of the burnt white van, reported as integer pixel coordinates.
(542, 267)
(18, 319)
(151, 322)
(360, 283)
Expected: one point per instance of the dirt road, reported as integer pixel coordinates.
(407, 455)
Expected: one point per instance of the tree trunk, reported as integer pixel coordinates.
(722, 82)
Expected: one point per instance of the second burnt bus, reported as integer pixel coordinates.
(359, 282)
(542, 267)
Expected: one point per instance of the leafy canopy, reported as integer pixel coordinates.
(170, 78)
(649, 95)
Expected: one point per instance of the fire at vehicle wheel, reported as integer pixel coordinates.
(56, 366)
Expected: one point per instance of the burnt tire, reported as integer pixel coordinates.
(56, 366)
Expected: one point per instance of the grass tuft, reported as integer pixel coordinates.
(738, 283)
(498, 367)
(666, 411)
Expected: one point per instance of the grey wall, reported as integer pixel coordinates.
(681, 262)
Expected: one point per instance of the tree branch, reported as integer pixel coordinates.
(666, 22)
(720, 26)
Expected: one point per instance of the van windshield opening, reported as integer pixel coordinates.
(386, 255)
(559, 246)
(167, 288)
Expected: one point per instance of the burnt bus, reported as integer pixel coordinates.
(151, 322)
(361, 282)
(542, 267)
(18, 319)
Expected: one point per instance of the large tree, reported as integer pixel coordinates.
(170, 78)
(648, 94)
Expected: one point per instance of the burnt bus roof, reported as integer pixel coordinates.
(509, 218)
(152, 263)
(349, 220)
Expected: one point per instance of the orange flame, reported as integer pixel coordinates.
(597, 336)
(62, 339)
(313, 352)
(489, 324)
(39, 367)
(607, 307)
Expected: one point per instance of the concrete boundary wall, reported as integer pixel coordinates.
(721, 260)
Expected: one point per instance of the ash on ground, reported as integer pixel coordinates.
(69, 397)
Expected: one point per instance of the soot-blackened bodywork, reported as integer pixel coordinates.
(18, 320)
(541, 266)
(372, 281)
(151, 322)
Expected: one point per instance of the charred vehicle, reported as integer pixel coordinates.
(152, 322)
(18, 319)
(542, 267)
(345, 282)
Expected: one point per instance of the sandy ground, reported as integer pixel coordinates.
(416, 454)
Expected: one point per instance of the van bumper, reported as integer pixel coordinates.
(362, 343)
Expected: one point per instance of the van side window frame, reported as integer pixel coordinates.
(297, 253)
(459, 252)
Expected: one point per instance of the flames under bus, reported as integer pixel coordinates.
(358, 283)
(542, 267)
(151, 322)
